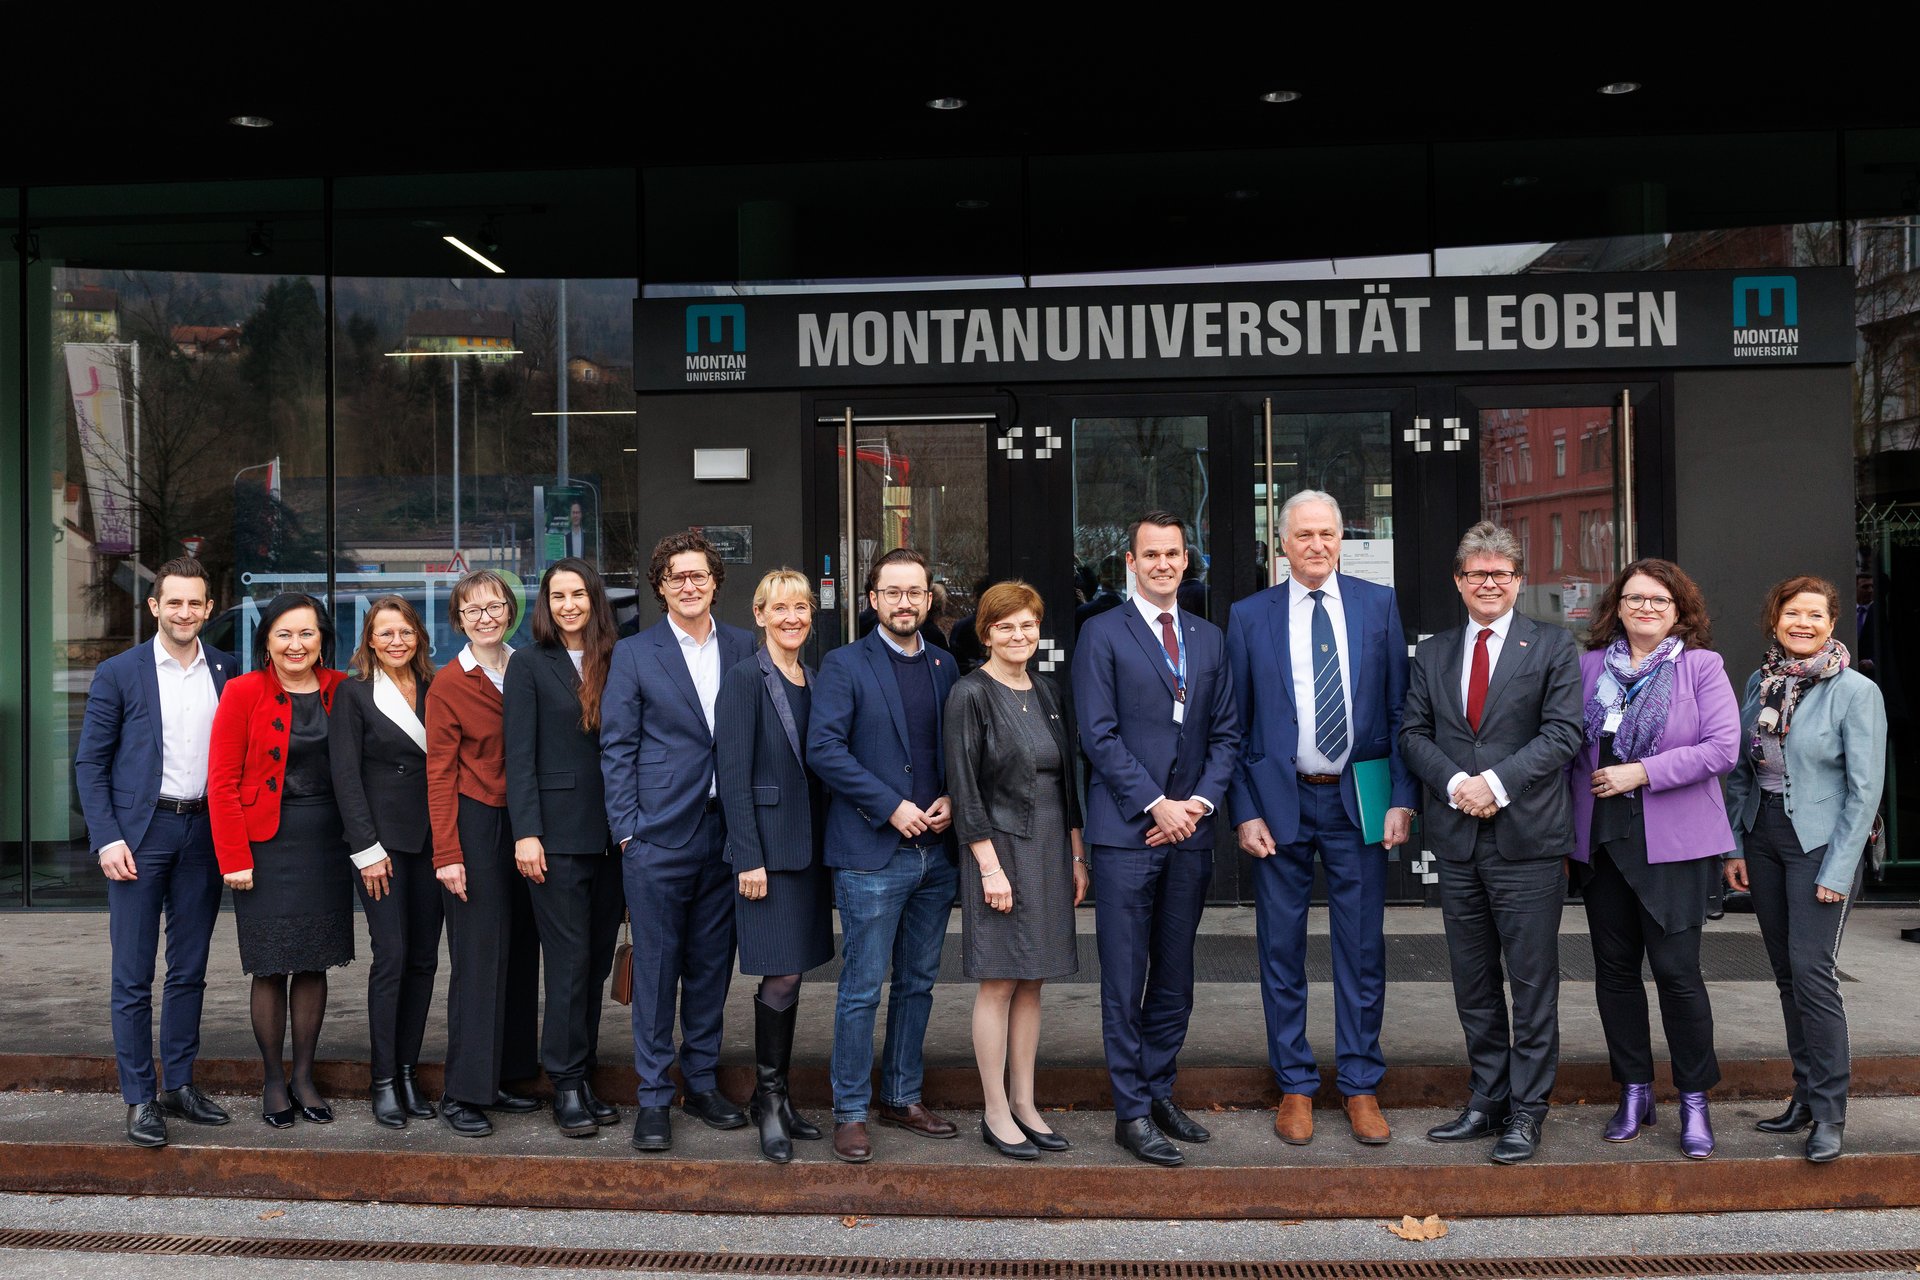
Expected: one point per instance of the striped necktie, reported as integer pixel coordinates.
(1329, 698)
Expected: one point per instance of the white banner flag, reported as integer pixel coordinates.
(93, 369)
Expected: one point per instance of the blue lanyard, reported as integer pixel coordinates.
(1179, 672)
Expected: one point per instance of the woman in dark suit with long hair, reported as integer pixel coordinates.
(379, 748)
(556, 801)
(277, 835)
(774, 806)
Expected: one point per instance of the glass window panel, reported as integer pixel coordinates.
(12, 676)
(1123, 467)
(1347, 455)
(1580, 502)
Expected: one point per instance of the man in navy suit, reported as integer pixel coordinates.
(1320, 671)
(141, 771)
(874, 739)
(656, 757)
(1157, 720)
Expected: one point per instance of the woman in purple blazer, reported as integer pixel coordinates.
(1650, 826)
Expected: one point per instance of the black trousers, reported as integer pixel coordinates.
(493, 990)
(578, 912)
(404, 927)
(1498, 911)
(1803, 945)
(520, 1053)
(1623, 932)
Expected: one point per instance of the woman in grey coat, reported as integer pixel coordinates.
(1803, 800)
(1010, 769)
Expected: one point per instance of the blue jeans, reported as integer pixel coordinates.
(897, 913)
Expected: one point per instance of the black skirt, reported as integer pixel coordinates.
(791, 929)
(298, 917)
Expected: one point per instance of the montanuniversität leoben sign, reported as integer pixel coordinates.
(1267, 329)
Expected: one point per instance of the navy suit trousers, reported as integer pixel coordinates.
(178, 878)
(682, 945)
(1356, 918)
(1146, 911)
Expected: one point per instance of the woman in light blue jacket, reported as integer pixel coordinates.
(1803, 800)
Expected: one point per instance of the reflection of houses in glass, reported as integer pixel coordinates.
(478, 331)
(596, 371)
(88, 313)
(195, 341)
(1548, 475)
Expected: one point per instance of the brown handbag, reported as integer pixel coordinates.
(623, 963)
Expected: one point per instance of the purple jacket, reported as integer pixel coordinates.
(1685, 812)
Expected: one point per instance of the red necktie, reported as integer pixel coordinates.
(1169, 641)
(1477, 679)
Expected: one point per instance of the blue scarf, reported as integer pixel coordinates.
(1642, 694)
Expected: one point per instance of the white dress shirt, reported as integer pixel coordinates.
(1309, 758)
(1495, 643)
(1151, 612)
(703, 664)
(187, 704)
(468, 662)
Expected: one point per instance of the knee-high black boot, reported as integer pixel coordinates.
(772, 1047)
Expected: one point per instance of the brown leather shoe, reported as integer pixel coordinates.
(1293, 1122)
(917, 1119)
(1369, 1126)
(850, 1143)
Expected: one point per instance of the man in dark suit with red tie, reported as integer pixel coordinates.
(1493, 715)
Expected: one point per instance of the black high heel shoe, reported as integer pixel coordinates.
(1041, 1138)
(1011, 1150)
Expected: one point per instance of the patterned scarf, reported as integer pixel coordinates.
(1641, 694)
(1784, 679)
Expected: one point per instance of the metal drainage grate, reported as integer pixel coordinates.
(788, 1264)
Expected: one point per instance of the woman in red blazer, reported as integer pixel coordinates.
(277, 834)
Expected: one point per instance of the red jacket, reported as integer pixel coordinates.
(247, 762)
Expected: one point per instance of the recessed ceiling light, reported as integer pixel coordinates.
(946, 104)
(250, 122)
(1242, 193)
(1281, 95)
(1615, 88)
(428, 224)
(1520, 180)
(970, 204)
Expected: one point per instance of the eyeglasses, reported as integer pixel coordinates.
(494, 609)
(894, 595)
(697, 578)
(1498, 577)
(1659, 604)
(1007, 630)
(392, 637)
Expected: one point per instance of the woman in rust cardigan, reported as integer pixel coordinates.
(277, 834)
(487, 1038)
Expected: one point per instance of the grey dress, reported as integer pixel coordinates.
(1016, 761)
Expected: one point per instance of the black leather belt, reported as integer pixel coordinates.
(168, 804)
(1320, 779)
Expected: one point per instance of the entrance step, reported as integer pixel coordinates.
(71, 1143)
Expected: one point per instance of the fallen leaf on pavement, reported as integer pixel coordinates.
(273, 1213)
(1412, 1228)
(852, 1221)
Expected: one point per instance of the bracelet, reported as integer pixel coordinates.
(994, 872)
(1082, 861)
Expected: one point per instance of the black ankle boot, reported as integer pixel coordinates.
(387, 1110)
(412, 1101)
(772, 1044)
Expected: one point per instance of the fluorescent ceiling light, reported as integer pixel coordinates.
(474, 351)
(581, 413)
(475, 254)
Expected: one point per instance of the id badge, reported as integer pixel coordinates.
(1179, 711)
(1612, 724)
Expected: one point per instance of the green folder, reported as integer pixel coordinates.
(1373, 785)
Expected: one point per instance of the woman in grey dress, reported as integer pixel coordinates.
(1010, 771)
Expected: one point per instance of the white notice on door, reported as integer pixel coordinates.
(1369, 558)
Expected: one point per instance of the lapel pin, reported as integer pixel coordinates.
(1523, 644)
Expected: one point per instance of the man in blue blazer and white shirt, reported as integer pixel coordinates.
(875, 740)
(656, 758)
(1158, 723)
(141, 771)
(1319, 671)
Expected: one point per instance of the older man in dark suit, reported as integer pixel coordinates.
(1493, 714)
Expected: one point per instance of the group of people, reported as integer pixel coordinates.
(731, 800)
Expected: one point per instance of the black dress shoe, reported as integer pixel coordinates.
(467, 1121)
(570, 1114)
(318, 1113)
(652, 1130)
(1823, 1144)
(512, 1103)
(603, 1112)
(1044, 1139)
(412, 1101)
(146, 1127)
(189, 1104)
(1796, 1117)
(1143, 1139)
(1011, 1150)
(387, 1111)
(712, 1108)
(281, 1119)
(1175, 1123)
(1520, 1141)
(1467, 1126)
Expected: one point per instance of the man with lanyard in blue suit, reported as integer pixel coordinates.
(1320, 672)
(1158, 723)
(141, 771)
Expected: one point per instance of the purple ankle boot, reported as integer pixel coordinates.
(1635, 1109)
(1696, 1128)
